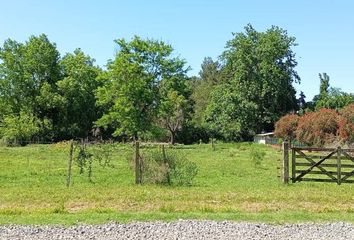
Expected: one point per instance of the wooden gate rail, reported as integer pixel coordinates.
(318, 165)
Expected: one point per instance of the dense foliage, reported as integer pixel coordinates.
(44, 96)
(142, 87)
(258, 75)
(145, 93)
(286, 126)
(319, 128)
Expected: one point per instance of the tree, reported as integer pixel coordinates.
(261, 70)
(302, 103)
(330, 97)
(175, 105)
(173, 113)
(210, 71)
(209, 77)
(77, 91)
(334, 99)
(12, 82)
(41, 67)
(324, 86)
(230, 115)
(27, 71)
(18, 128)
(130, 93)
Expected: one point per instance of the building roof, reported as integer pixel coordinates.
(265, 134)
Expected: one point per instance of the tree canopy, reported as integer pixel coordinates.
(261, 71)
(146, 92)
(131, 94)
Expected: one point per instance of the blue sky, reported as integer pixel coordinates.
(324, 29)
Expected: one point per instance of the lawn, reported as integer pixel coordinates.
(228, 186)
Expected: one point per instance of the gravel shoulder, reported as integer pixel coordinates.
(183, 229)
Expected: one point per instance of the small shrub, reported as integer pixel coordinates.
(173, 169)
(257, 155)
(154, 169)
(103, 153)
(84, 160)
(183, 172)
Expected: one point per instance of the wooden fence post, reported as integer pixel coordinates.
(339, 166)
(137, 164)
(70, 163)
(167, 165)
(286, 162)
(293, 164)
(212, 144)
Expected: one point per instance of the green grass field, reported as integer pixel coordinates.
(228, 186)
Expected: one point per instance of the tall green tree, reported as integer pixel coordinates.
(324, 86)
(302, 103)
(330, 97)
(25, 70)
(176, 105)
(334, 99)
(130, 94)
(261, 70)
(77, 90)
(229, 115)
(209, 77)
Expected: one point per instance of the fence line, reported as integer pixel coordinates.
(318, 164)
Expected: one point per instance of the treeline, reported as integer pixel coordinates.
(145, 91)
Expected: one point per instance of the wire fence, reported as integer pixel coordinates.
(277, 141)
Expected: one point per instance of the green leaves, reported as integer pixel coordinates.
(33, 79)
(131, 92)
(18, 128)
(259, 90)
(230, 115)
(77, 89)
(334, 99)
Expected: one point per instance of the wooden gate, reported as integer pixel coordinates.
(322, 165)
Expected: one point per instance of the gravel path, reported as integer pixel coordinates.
(182, 230)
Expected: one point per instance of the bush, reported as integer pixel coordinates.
(318, 128)
(346, 124)
(257, 155)
(348, 113)
(286, 127)
(103, 153)
(154, 169)
(191, 133)
(19, 129)
(182, 171)
(346, 130)
(174, 169)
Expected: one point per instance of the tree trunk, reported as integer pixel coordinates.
(135, 137)
(172, 138)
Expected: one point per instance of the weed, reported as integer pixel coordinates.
(257, 155)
